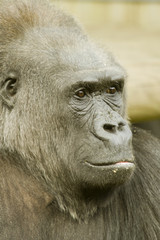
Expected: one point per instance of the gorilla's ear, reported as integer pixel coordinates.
(9, 89)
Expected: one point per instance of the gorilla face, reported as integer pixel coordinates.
(102, 145)
(64, 111)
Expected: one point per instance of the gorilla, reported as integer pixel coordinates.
(69, 166)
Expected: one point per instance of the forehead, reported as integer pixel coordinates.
(61, 46)
(66, 53)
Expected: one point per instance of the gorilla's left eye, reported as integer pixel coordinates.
(81, 93)
(111, 90)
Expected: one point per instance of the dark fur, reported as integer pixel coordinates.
(44, 138)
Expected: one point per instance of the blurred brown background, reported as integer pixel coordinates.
(131, 30)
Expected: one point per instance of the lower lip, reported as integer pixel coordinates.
(124, 164)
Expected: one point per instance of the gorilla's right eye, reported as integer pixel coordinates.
(111, 90)
(81, 93)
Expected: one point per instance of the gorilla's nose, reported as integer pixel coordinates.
(115, 130)
(112, 128)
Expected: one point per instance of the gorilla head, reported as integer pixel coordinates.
(62, 109)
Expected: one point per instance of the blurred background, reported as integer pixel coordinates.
(131, 30)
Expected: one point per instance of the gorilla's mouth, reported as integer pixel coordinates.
(125, 164)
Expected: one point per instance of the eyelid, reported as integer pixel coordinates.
(80, 89)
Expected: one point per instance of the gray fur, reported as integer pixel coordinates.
(59, 152)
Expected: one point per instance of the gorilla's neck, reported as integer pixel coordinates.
(83, 202)
(20, 190)
(23, 190)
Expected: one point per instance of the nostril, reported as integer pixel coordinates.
(109, 127)
(121, 125)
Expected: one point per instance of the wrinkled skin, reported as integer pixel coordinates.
(68, 167)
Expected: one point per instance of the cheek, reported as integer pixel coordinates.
(80, 107)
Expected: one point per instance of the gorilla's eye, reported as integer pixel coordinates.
(81, 93)
(111, 90)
